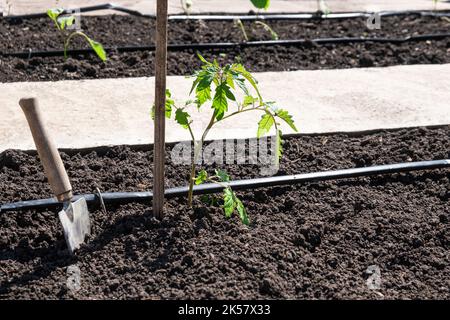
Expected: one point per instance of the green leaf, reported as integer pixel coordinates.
(265, 124)
(241, 84)
(261, 4)
(228, 202)
(98, 48)
(152, 112)
(286, 117)
(203, 96)
(222, 175)
(54, 13)
(182, 118)
(169, 105)
(230, 80)
(201, 177)
(202, 59)
(202, 84)
(220, 102)
(240, 69)
(249, 100)
(66, 21)
(228, 93)
(242, 212)
(231, 203)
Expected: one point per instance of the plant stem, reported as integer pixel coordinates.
(241, 26)
(198, 147)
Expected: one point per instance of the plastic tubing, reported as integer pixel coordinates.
(127, 197)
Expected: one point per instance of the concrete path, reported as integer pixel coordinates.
(14, 7)
(117, 111)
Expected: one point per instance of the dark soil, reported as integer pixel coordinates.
(307, 241)
(115, 32)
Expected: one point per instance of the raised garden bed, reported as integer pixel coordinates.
(311, 241)
(119, 31)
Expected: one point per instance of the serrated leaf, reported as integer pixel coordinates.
(242, 211)
(239, 68)
(152, 112)
(170, 103)
(265, 124)
(261, 4)
(230, 80)
(228, 202)
(286, 117)
(249, 100)
(182, 118)
(168, 112)
(201, 177)
(228, 93)
(220, 102)
(222, 175)
(169, 106)
(202, 85)
(241, 84)
(203, 96)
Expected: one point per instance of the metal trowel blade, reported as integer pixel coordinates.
(76, 223)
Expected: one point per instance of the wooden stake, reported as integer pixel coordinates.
(160, 101)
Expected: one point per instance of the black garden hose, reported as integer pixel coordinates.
(126, 197)
(224, 45)
(227, 16)
(106, 6)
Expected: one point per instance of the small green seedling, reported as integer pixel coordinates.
(435, 2)
(63, 23)
(323, 8)
(218, 86)
(259, 4)
(266, 27)
(187, 6)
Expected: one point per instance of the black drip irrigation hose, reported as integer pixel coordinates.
(106, 6)
(307, 16)
(127, 197)
(224, 45)
(266, 16)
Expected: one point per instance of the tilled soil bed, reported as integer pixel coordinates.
(112, 31)
(117, 30)
(314, 240)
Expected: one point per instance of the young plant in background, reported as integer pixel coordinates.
(217, 86)
(63, 24)
(322, 8)
(187, 6)
(259, 4)
(435, 2)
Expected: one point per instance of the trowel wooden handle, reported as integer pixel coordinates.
(50, 158)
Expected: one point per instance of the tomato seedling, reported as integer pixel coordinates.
(62, 24)
(259, 4)
(218, 86)
(322, 8)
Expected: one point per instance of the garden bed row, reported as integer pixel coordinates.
(309, 56)
(40, 34)
(309, 241)
(116, 31)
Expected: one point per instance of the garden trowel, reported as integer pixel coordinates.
(75, 215)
